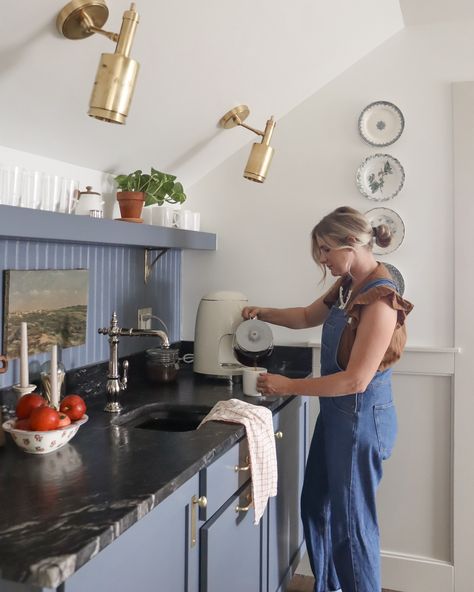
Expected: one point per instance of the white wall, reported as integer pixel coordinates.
(264, 229)
(100, 181)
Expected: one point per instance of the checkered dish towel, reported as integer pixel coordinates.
(261, 438)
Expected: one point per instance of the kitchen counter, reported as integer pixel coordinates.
(60, 509)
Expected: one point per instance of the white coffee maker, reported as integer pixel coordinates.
(218, 316)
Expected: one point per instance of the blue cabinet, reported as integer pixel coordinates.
(155, 554)
(231, 548)
(285, 531)
(183, 546)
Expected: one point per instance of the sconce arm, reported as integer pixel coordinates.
(112, 36)
(252, 129)
(267, 134)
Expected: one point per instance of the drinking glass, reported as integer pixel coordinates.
(31, 189)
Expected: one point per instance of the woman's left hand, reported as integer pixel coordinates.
(273, 384)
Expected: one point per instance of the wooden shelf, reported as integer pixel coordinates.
(37, 225)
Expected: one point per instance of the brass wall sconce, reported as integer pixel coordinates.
(117, 72)
(261, 154)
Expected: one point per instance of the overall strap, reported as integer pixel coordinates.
(379, 282)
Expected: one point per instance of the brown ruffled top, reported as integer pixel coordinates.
(354, 309)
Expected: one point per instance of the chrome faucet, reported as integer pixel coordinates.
(115, 383)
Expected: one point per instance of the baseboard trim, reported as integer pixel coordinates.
(411, 573)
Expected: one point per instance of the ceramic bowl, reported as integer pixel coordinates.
(42, 442)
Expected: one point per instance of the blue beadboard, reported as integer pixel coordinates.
(115, 283)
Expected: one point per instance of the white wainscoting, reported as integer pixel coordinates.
(415, 500)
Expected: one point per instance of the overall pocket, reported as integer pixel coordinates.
(386, 427)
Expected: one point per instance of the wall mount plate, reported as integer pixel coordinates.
(235, 116)
(76, 17)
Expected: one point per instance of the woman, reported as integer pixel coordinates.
(363, 336)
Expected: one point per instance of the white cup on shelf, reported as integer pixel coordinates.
(11, 185)
(31, 189)
(164, 216)
(148, 212)
(196, 221)
(184, 219)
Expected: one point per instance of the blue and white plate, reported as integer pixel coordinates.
(381, 123)
(378, 216)
(397, 278)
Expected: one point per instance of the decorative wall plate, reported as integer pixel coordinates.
(381, 123)
(378, 216)
(397, 278)
(380, 177)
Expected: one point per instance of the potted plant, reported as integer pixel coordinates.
(138, 189)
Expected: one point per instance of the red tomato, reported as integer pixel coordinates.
(27, 403)
(44, 419)
(73, 406)
(22, 424)
(63, 420)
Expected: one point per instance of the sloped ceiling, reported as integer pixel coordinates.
(422, 12)
(198, 60)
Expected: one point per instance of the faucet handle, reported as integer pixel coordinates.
(103, 331)
(124, 380)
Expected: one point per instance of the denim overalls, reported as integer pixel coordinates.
(354, 433)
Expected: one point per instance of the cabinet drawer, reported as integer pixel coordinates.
(220, 480)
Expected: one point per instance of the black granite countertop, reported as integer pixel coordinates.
(60, 509)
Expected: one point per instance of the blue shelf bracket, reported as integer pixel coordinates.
(149, 266)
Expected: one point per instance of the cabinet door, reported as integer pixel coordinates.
(155, 554)
(285, 531)
(231, 548)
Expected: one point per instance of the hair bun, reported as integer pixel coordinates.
(382, 235)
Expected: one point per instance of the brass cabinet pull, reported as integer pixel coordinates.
(279, 435)
(195, 502)
(247, 507)
(245, 467)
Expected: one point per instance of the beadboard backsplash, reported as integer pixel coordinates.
(115, 283)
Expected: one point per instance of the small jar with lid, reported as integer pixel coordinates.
(162, 364)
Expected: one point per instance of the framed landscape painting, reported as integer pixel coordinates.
(52, 302)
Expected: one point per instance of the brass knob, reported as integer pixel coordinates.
(244, 467)
(200, 501)
(279, 435)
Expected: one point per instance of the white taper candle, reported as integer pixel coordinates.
(24, 377)
(54, 377)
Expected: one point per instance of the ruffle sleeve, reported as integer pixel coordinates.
(393, 299)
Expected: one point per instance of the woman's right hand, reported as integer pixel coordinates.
(250, 312)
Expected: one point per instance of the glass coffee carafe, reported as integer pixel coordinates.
(252, 342)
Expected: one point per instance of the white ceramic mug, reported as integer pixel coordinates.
(163, 216)
(196, 221)
(147, 214)
(249, 381)
(184, 219)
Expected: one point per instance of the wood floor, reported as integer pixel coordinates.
(305, 584)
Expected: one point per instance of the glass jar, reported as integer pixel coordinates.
(45, 375)
(162, 364)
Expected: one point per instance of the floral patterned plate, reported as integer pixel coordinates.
(380, 177)
(381, 123)
(386, 216)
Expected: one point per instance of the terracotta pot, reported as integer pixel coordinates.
(131, 204)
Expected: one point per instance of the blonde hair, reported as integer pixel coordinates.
(346, 227)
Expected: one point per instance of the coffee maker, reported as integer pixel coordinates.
(218, 316)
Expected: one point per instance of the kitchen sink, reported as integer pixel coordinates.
(164, 417)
